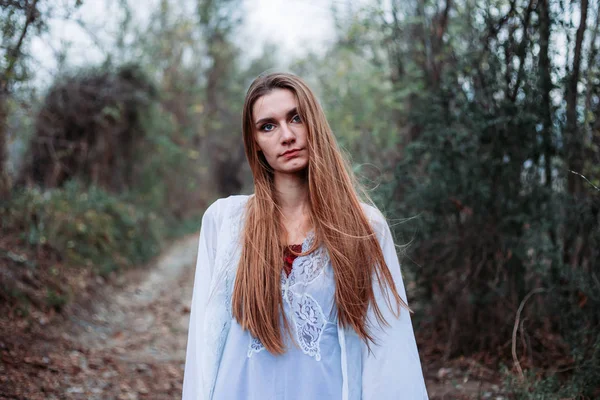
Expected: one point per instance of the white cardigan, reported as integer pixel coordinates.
(391, 370)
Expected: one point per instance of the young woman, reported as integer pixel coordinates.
(298, 292)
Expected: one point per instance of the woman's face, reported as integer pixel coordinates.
(279, 131)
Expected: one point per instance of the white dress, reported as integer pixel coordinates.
(248, 371)
(225, 362)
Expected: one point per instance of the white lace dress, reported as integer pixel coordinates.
(329, 362)
(248, 371)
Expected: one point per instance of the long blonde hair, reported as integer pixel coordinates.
(338, 220)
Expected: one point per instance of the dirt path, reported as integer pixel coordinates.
(133, 343)
(130, 343)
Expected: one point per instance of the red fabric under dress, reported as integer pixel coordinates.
(289, 257)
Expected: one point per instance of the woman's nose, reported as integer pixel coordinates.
(287, 134)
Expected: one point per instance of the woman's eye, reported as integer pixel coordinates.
(267, 127)
(296, 118)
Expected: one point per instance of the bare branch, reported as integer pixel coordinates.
(516, 327)
(17, 49)
(586, 179)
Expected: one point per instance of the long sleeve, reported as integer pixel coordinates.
(392, 370)
(192, 381)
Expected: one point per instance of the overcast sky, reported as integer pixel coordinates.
(296, 26)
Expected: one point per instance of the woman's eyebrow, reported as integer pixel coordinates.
(289, 114)
(263, 120)
(292, 112)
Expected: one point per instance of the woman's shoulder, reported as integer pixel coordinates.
(373, 214)
(226, 206)
(377, 220)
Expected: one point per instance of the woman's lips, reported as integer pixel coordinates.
(291, 154)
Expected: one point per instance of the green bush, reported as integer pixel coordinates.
(539, 385)
(87, 227)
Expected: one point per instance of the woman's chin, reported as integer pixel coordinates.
(293, 170)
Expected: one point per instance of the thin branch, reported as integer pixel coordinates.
(586, 179)
(14, 52)
(516, 328)
(522, 48)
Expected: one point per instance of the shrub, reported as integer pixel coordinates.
(92, 227)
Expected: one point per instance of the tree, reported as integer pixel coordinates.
(218, 21)
(488, 124)
(18, 20)
(88, 128)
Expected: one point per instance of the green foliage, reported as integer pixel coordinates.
(538, 385)
(92, 227)
(359, 103)
(458, 102)
(170, 174)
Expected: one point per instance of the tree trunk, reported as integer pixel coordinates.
(545, 85)
(573, 138)
(4, 178)
(574, 142)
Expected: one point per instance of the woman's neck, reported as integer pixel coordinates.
(292, 193)
(292, 196)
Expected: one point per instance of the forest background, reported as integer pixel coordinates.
(475, 124)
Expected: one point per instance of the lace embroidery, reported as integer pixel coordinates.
(308, 268)
(255, 346)
(306, 314)
(310, 322)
